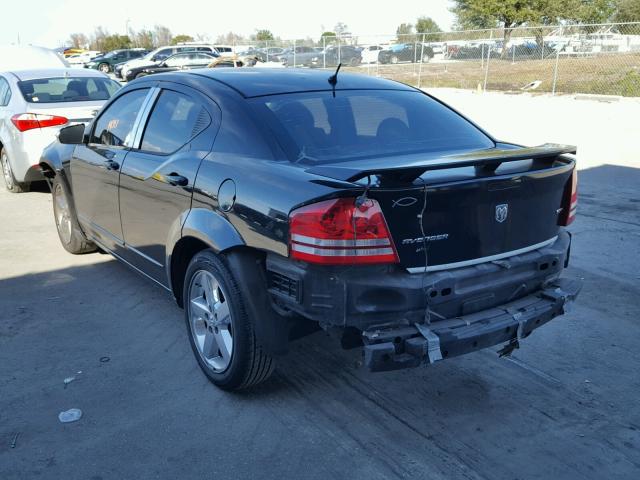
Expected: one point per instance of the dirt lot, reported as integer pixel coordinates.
(564, 406)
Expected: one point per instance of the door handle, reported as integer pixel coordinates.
(175, 179)
(111, 165)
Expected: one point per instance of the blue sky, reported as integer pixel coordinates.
(49, 22)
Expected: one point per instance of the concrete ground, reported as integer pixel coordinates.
(564, 406)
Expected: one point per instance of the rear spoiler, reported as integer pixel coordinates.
(487, 160)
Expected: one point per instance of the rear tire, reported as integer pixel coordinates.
(221, 333)
(69, 232)
(10, 182)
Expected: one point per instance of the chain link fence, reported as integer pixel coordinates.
(599, 59)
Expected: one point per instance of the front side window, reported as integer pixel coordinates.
(175, 119)
(317, 128)
(115, 126)
(68, 89)
(163, 54)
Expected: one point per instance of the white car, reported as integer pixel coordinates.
(161, 54)
(370, 53)
(34, 105)
(80, 59)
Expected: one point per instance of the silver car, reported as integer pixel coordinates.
(34, 105)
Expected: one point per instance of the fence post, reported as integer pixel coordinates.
(555, 72)
(294, 54)
(420, 66)
(486, 72)
(339, 50)
(324, 52)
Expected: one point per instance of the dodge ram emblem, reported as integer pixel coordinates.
(502, 211)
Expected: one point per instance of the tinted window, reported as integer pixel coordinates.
(174, 121)
(69, 89)
(5, 92)
(115, 126)
(163, 54)
(319, 128)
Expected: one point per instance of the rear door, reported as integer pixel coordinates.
(95, 168)
(157, 177)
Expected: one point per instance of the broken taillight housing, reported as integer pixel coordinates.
(342, 231)
(569, 201)
(29, 121)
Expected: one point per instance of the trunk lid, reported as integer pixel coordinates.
(478, 211)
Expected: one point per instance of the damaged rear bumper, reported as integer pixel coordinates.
(393, 348)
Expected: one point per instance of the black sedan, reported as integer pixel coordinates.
(275, 202)
(179, 61)
(406, 52)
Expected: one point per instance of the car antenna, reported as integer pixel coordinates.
(333, 79)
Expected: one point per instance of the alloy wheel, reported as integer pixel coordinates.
(210, 318)
(63, 214)
(6, 171)
(104, 68)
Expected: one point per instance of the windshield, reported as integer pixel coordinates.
(78, 89)
(317, 127)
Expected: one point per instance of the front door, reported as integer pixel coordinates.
(95, 169)
(157, 178)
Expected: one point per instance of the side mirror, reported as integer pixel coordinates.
(72, 135)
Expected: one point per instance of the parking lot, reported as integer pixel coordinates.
(564, 406)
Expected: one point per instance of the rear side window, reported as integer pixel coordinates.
(175, 119)
(317, 127)
(5, 92)
(68, 89)
(115, 126)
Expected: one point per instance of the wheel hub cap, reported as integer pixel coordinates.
(210, 319)
(63, 216)
(6, 170)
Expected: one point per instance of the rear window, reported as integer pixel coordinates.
(318, 128)
(78, 89)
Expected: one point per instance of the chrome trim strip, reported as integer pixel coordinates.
(342, 252)
(143, 114)
(323, 242)
(146, 257)
(475, 261)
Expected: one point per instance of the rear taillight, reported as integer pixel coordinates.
(337, 232)
(569, 201)
(29, 121)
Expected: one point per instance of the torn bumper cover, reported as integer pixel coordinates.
(392, 348)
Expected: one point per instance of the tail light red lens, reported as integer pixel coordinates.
(337, 232)
(570, 201)
(29, 121)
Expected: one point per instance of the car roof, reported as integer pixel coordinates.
(56, 73)
(255, 82)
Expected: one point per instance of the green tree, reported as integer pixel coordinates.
(428, 25)
(264, 35)
(115, 42)
(594, 11)
(404, 33)
(181, 39)
(628, 11)
(511, 14)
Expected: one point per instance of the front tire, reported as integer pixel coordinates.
(221, 333)
(10, 182)
(69, 232)
(104, 68)
(140, 75)
(394, 59)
